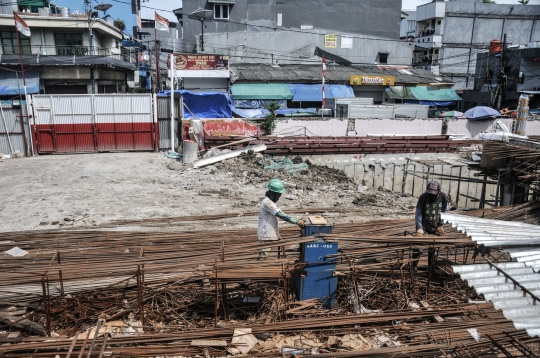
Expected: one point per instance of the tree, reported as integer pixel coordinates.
(119, 24)
(269, 122)
(488, 1)
(523, 2)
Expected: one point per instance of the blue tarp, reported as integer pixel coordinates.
(203, 105)
(313, 92)
(430, 103)
(14, 84)
(290, 111)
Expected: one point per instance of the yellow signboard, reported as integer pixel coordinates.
(330, 41)
(373, 80)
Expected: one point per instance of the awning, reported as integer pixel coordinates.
(423, 93)
(400, 92)
(261, 91)
(232, 2)
(14, 85)
(427, 93)
(313, 92)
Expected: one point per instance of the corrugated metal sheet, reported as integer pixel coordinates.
(164, 120)
(371, 111)
(505, 284)
(82, 123)
(411, 110)
(12, 137)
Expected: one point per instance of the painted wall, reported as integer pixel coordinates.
(369, 17)
(364, 127)
(258, 47)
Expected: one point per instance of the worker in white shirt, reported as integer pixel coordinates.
(269, 213)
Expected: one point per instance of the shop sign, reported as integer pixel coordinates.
(330, 41)
(202, 62)
(373, 80)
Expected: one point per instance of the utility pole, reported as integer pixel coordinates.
(502, 76)
(157, 85)
(88, 9)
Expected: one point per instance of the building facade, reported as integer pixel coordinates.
(450, 34)
(508, 76)
(61, 57)
(368, 17)
(407, 28)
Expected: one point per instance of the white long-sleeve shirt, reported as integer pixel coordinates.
(268, 222)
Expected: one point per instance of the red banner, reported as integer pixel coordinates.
(202, 62)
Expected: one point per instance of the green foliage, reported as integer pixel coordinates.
(269, 122)
(79, 50)
(489, 1)
(120, 24)
(523, 2)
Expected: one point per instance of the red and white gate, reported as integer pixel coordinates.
(93, 123)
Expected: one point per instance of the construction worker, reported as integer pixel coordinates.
(269, 213)
(428, 220)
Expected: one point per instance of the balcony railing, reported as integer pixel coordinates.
(72, 50)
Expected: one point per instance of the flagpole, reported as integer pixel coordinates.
(24, 80)
(157, 84)
(20, 56)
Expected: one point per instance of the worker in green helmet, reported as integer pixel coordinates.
(269, 213)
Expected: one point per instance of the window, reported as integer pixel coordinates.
(10, 46)
(221, 11)
(439, 22)
(69, 44)
(383, 57)
(436, 52)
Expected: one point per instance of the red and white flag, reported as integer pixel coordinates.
(21, 25)
(323, 80)
(162, 24)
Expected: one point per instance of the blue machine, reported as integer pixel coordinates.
(316, 279)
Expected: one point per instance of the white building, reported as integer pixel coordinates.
(450, 34)
(60, 57)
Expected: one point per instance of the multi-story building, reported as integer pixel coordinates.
(60, 56)
(366, 17)
(451, 33)
(506, 76)
(407, 29)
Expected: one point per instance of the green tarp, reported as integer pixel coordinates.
(423, 93)
(264, 91)
(400, 92)
(427, 93)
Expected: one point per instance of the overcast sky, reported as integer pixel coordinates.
(412, 4)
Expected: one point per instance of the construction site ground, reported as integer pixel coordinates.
(95, 190)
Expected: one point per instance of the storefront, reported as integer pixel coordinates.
(367, 86)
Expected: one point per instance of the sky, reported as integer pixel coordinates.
(121, 9)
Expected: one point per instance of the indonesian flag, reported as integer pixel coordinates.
(162, 24)
(21, 25)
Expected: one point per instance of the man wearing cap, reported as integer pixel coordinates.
(428, 210)
(269, 213)
(428, 220)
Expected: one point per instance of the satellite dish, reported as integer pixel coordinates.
(102, 7)
(201, 14)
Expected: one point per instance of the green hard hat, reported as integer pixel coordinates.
(276, 186)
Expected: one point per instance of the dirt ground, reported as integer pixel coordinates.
(89, 190)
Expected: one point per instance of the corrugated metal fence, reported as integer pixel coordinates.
(94, 123)
(14, 129)
(164, 120)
